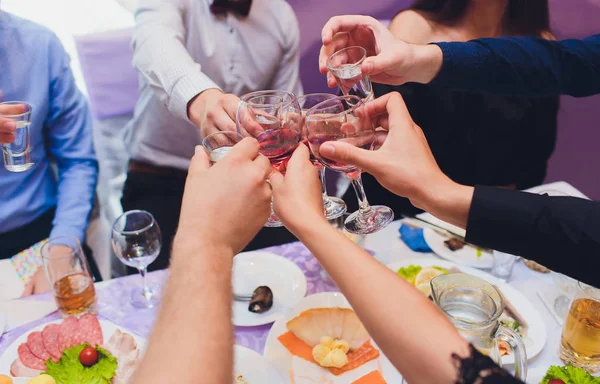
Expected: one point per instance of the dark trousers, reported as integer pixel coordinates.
(21, 238)
(161, 195)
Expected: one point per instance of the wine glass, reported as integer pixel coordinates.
(217, 144)
(345, 118)
(344, 65)
(274, 119)
(136, 240)
(334, 206)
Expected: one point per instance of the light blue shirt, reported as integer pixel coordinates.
(34, 68)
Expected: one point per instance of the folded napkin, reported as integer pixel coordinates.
(21, 312)
(413, 237)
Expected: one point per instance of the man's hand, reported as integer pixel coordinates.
(389, 61)
(227, 204)
(404, 164)
(297, 195)
(213, 111)
(8, 126)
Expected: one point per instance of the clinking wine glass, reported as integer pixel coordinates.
(334, 206)
(346, 119)
(136, 240)
(274, 119)
(345, 65)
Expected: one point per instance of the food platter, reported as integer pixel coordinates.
(284, 278)
(254, 368)
(304, 372)
(535, 337)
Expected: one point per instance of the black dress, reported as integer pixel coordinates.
(480, 369)
(475, 138)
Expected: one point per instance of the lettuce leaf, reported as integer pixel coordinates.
(570, 375)
(70, 370)
(410, 272)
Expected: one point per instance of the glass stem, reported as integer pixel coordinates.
(364, 207)
(326, 201)
(145, 287)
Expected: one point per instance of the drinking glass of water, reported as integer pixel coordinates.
(344, 65)
(136, 240)
(217, 144)
(503, 265)
(17, 155)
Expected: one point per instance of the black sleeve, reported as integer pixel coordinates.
(562, 233)
(522, 66)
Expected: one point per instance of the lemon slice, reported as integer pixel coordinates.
(425, 276)
(425, 288)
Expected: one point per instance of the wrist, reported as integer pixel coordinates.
(197, 105)
(448, 201)
(427, 61)
(188, 245)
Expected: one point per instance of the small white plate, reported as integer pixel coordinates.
(253, 269)
(536, 328)
(254, 368)
(467, 255)
(305, 372)
(108, 328)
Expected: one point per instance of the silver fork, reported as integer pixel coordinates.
(239, 297)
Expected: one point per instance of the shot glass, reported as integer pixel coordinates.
(17, 155)
(345, 65)
(217, 144)
(503, 265)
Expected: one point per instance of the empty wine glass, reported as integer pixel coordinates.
(345, 65)
(334, 206)
(275, 120)
(217, 144)
(345, 118)
(136, 240)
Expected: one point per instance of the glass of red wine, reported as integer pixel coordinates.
(334, 206)
(346, 119)
(344, 65)
(274, 119)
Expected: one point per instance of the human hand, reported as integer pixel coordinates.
(389, 61)
(225, 205)
(213, 111)
(8, 126)
(404, 163)
(297, 196)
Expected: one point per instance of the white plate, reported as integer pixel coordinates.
(2, 323)
(108, 328)
(306, 372)
(255, 369)
(536, 332)
(253, 269)
(464, 256)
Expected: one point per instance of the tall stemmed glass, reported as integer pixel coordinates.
(344, 65)
(346, 119)
(334, 206)
(275, 120)
(136, 240)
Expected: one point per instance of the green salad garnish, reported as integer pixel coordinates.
(410, 272)
(69, 370)
(570, 375)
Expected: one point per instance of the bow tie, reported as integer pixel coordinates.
(240, 7)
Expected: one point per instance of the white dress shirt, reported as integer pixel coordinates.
(182, 49)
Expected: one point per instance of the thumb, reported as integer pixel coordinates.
(200, 161)
(349, 154)
(276, 179)
(374, 65)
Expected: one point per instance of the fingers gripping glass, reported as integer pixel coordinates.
(218, 144)
(17, 155)
(346, 119)
(345, 65)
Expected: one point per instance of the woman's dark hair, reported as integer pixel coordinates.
(523, 17)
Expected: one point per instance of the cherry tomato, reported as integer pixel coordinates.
(88, 356)
(556, 381)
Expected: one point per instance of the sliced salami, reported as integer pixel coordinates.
(68, 333)
(90, 330)
(29, 359)
(36, 346)
(51, 340)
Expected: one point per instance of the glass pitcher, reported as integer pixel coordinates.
(474, 306)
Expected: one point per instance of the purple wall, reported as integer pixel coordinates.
(576, 155)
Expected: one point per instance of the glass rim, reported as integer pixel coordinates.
(312, 111)
(28, 109)
(328, 96)
(48, 244)
(354, 47)
(249, 96)
(124, 214)
(205, 140)
(582, 287)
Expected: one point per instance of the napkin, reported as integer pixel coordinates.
(413, 237)
(21, 312)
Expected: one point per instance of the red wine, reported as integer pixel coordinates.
(364, 141)
(278, 144)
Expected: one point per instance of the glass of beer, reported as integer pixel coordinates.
(580, 341)
(69, 276)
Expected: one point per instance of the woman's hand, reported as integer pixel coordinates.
(297, 195)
